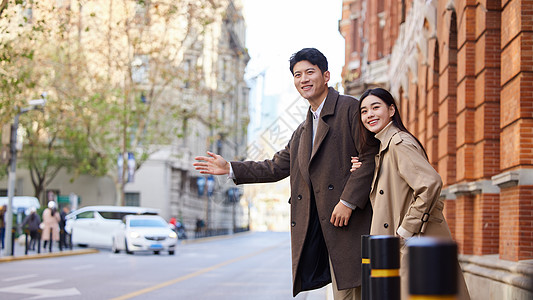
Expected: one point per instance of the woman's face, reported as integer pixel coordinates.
(375, 114)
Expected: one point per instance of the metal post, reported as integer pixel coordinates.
(365, 267)
(11, 185)
(433, 268)
(385, 267)
(34, 104)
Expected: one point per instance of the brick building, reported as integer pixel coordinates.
(461, 72)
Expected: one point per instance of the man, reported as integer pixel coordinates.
(63, 235)
(329, 206)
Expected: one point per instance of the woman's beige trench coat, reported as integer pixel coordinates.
(404, 188)
(50, 223)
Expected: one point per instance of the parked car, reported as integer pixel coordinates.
(22, 203)
(95, 225)
(144, 233)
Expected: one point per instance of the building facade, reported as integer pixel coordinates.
(203, 100)
(461, 74)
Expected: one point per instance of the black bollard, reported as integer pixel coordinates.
(50, 241)
(39, 241)
(365, 267)
(385, 267)
(26, 242)
(13, 242)
(432, 268)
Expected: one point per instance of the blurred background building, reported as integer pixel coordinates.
(461, 73)
(174, 66)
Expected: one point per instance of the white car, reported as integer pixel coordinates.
(144, 233)
(95, 225)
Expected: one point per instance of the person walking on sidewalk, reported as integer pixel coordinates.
(51, 220)
(32, 221)
(330, 208)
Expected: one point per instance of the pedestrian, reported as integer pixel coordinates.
(2, 224)
(329, 210)
(51, 220)
(406, 188)
(32, 221)
(63, 235)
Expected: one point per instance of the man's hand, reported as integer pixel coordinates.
(341, 214)
(213, 164)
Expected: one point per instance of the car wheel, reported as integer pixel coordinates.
(114, 247)
(126, 247)
(156, 252)
(171, 252)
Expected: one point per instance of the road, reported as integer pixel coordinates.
(254, 265)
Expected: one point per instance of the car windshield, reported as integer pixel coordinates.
(148, 223)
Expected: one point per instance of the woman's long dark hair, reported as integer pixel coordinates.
(386, 97)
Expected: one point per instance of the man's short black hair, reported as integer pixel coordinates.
(312, 55)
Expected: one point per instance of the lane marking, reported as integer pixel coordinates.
(19, 277)
(83, 267)
(30, 288)
(197, 273)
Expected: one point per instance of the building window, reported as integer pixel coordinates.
(355, 35)
(224, 69)
(142, 15)
(132, 199)
(139, 69)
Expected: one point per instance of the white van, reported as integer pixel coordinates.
(95, 225)
(21, 202)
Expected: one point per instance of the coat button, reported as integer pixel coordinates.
(330, 187)
(381, 192)
(293, 224)
(384, 225)
(299, 197)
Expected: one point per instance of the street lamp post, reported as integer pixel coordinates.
(33, 104)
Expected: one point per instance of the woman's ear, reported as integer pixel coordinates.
(392, 110)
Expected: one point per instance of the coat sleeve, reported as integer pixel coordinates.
(423, 180)
(269, 170)
(357, 188)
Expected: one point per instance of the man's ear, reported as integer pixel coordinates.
(326, 76)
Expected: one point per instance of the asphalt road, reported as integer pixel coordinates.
(244, 266)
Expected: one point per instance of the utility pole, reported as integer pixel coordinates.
(34, 104)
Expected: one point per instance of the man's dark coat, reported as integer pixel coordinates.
(323, 170)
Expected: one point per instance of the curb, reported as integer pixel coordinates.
(48, 255)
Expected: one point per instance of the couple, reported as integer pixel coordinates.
(329, 204)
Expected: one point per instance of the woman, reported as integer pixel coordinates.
(32, 221)
(405, 189)
(51, 220)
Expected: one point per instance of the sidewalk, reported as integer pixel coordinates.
(19, 252)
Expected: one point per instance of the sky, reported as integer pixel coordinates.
(278, 28)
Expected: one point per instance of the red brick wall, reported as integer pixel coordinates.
(486, 224)
(516, 223)
(471, 105)
(464, 212)
(449, 214)
(516, 127)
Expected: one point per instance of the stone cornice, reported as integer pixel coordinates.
(513, 178)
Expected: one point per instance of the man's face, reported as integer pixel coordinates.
(309, 81)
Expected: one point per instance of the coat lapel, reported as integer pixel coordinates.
(385, 139)
(323, 127)
(304, 148)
